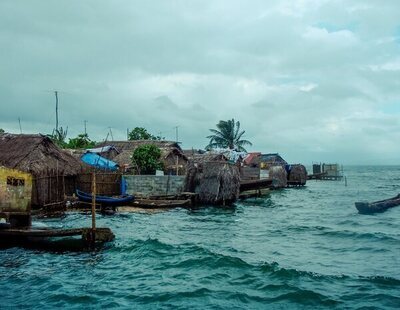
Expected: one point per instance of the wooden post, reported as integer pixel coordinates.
(93, 205)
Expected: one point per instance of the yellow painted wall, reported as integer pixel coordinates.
(15, 196)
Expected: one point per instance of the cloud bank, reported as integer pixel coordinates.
(313, 80)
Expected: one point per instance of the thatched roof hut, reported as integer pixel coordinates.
(278, 175)
(133, 144)
(272, 159)
(54, 171)
(297, 175)
(250, 167)
(108, 152)
(35, 154)
(215, 182)
(171, 154)
(206, 157)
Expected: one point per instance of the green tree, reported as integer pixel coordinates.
(82, 141)
(228, 135)
(58, 137)
(1, 131)
(140, 133)
(147, 159)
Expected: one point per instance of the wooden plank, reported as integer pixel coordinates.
(255, 184)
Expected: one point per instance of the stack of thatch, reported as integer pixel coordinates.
(278, 176)
(297, 175)
(215, 182)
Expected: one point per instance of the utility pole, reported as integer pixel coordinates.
(127, 134)
(85, 122)
(19, 121)
(112, 138)
(56, 93)
(176, 133)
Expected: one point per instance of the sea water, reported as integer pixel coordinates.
(299, 248)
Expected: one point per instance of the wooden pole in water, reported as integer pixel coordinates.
(93, 205)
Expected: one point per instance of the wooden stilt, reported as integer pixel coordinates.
(93, 206)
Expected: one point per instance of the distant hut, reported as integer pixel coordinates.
(54, 171)
(274, 167)
(108, 152)
(272, 159)
(297, 175)
(171, 154)
(215, 182)
(278, 175)
(201, 157)
(250, 167)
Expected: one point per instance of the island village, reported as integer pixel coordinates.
(43, 176)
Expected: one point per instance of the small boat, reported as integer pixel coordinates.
(105, 200)
(159, 203)
(55, 239)
(377, 206)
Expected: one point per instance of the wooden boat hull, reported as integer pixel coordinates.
(157, 203)
(105, 200)
(55, 239)
(377, 206)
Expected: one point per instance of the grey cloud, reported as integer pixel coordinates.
(305, 78)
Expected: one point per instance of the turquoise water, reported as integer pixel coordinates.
(305, 248)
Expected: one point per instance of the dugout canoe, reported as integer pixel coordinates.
(377, 206)
(105, 200)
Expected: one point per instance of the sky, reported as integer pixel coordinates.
(316, 81)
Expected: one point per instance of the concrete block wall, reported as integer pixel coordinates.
(147, 185)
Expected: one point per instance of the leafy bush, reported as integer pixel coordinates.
(82, 141)
(147, 159)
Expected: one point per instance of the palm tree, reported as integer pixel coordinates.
(228, 136)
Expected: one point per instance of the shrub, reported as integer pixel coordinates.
(147, 159)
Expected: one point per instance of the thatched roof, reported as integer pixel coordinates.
(124, 158)
(133, 144)
(253, 158)
(273, 159)
(205, 157)
(35, 154)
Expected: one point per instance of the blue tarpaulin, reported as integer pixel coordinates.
(97, 161)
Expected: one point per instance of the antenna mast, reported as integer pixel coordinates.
(56, 93)
(19, 121)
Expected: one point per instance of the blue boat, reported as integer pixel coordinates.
(105, 200)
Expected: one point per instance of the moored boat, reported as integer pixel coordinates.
(105, 200)
(377, 206)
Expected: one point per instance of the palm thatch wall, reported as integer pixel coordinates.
(54, 171)
(278, 176)
(215, 182)
(297, 175)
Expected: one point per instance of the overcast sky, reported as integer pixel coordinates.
(312, 80)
